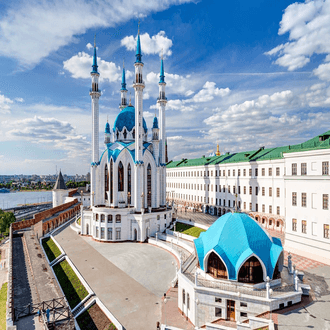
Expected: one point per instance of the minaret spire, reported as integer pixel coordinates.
(123, 90)
(94, 66)
(138, 54)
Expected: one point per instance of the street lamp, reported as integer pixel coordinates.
(165, 301)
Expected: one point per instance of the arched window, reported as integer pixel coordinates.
(118, 218)
(125, 134)
(129, 184)
(117, 135)
(120, 177)
(133, 133)
(251, 271)
(216, 267)
(111, 181)
(106, 182)
(277, 273)
(149, 185)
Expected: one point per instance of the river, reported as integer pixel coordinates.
(8, 200)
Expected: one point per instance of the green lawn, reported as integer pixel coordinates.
(188, 229)
(51, 249)
(3, 299)
(70, 283)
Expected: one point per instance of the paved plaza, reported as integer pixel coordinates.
(132, 303)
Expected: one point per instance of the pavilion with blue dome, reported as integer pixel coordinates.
(237, 248)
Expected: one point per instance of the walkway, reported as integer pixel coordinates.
(134, 306)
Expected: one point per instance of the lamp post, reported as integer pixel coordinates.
(128, 199)
(165, 301)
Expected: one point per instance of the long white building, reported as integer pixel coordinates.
(284, 188)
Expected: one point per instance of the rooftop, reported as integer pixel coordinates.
(321, 141)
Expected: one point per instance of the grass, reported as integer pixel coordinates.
(79, 221)
(93, 319)
(188, 229)
(3, 299)
(51, 249)
(73, 289)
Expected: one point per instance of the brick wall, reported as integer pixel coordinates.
(72, 192)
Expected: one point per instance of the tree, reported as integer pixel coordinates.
(6, 218)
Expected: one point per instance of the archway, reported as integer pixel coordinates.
(251, 271)
(149, 185)
(216, 267)
(111, 181)
(129, 183)
(135, 235)
(87, 229)
(106, 182)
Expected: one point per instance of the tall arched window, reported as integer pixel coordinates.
(117, 135)
(129, 184)
(216, 267)
(125, 134)
(149, 185)
(106, 182)
(111, 181)
(133, 133)
(120, 177)
(251, 271)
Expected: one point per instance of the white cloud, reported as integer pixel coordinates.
(80, 66)
(19, 99)
(150, 45)
(208, 92)
(31, 30)
(89, 46)
(176, 137)
(323, 71)
(5, 104)
(309, 33)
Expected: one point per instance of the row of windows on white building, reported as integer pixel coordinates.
(313, 228)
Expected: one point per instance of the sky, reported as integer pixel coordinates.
(241, 74)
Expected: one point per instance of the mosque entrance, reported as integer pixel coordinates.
(231, 310)
(135, 235)
(216, 267)
(87, 229)
(251, 271)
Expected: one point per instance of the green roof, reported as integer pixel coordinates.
(321, 141)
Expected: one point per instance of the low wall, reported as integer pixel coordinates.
(170, 237)
(10, 293)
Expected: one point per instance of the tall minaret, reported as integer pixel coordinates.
(123, 91)
(162, 100)
(95, 95)
(138, 85)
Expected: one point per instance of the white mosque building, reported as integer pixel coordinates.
(128, 181)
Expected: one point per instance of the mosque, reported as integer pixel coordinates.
(127, 199)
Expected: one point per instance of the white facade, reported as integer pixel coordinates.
(127, 200)
(213, 189)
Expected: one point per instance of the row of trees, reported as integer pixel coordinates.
(6, 218)
(72, 184)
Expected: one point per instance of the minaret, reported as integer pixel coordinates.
(95, 95)
(107, 134)
(123, 90)
(162, 100)
(138, 85)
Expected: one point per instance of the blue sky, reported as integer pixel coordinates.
(243, 74)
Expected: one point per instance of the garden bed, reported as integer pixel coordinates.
(72, 287)
(3, 300)
(94, 319)
(51, 249)
(188, 229)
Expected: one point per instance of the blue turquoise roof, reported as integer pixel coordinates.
(126, 118)
(107, 128)
(235, 237)
(155, 123)
(162, 75)
(138, 54)
(94, 66)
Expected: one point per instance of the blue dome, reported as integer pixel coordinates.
(235, 237)
(126, 118)
(107, 128)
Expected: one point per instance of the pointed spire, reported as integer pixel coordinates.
(138, 54)
(218, 151)
(155, 122)
(123, 79)
(162, 74)
(94, 66)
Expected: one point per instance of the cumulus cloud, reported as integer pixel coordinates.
(309, 33)
(80, 66)
(5, 103)
(89, 46)
(31, 30)
(208, 93)
(150, 45)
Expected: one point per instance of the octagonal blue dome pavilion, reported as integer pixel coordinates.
(236, 237)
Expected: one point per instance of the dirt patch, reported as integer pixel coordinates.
(94, 319)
